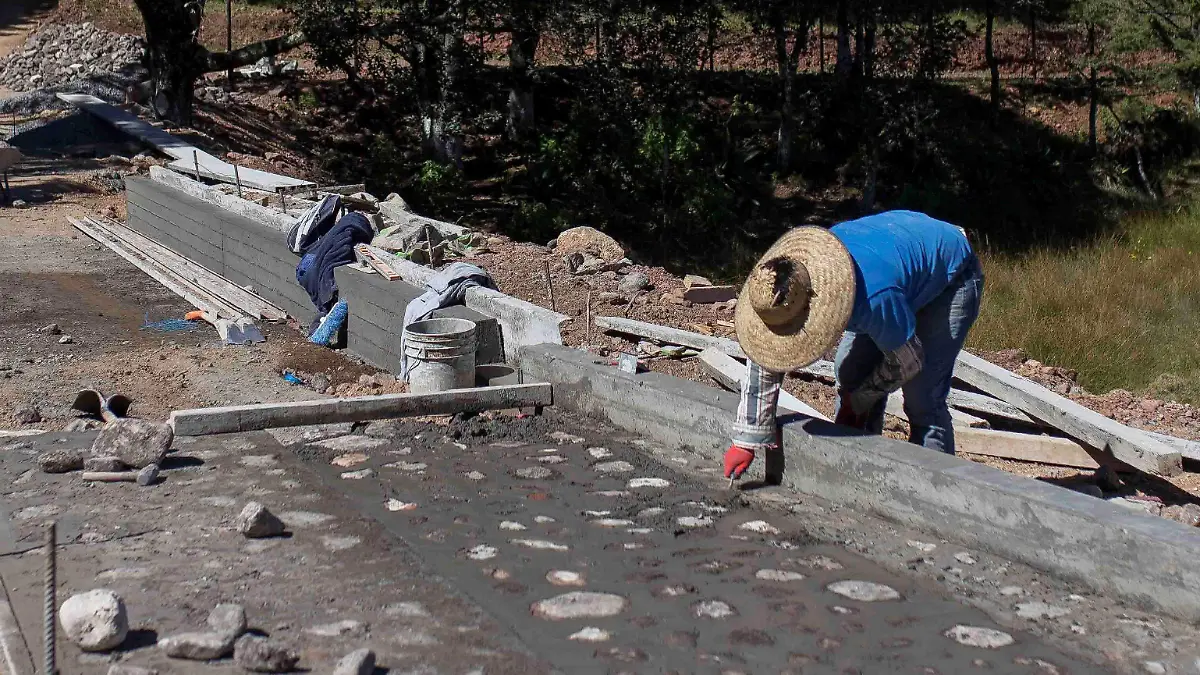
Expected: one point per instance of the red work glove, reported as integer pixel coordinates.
(847, 417)
(737, 461)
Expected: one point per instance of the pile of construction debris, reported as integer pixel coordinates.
(60, 53)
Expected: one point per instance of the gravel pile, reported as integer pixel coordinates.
(61, 53)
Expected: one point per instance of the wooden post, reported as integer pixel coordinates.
(196, 163)
(283, 202)
(587, 328)
(550, 287)
(238, 180)
(229, 38)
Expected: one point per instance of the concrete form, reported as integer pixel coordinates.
(1147, 560)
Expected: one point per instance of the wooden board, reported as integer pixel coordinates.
(199, 275)
(732, 374)
(1023, 447)
(377, 260)
(233, 419)
(200, 299)
(1128, 445)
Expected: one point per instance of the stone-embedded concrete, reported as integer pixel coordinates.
(1146, 560)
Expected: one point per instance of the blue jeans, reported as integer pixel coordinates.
(942, 327)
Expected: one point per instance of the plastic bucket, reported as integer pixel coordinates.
(496, 374)
(441, 355)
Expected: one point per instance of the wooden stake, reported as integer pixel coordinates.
(587, 329)
(550, 287)
(196, 163)
(283, 202)
(237, 179)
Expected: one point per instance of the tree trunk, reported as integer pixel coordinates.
(821, 42)
(1033, 63)
(1141, 168)
(989, 50)
(869, 46)
(859, 40)
(175, 59)
(1093, 89)
(521, 52)
(787, 81)
(845, 60)
(714, 25)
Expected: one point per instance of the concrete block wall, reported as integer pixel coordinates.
(249, 253)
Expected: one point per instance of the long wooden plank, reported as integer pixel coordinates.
(732, 374)
(822, 369)
(232, 419)
(198, 297)
(201, 276)
(1023, 447)
(1128, 445)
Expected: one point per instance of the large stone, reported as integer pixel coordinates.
(60, 461)
(579, 605)
(864, 591)
(589, 240)
(103, 464)
(260, 655)
(633, 283)
(228, 620)
(618, 466)
(196, 646)
(984, 638)
(29, 415)
(256, 522)
(95, 620)
(358, 662)
(139, 443)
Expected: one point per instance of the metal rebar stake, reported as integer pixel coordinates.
(49, 623)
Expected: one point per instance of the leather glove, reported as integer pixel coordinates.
(849, 414)
(737, 461)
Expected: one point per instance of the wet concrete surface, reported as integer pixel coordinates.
(517, 514)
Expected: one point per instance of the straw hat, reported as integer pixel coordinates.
(797, 300)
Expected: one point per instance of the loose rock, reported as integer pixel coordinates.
(777, 575)
(139, 443)
(66, 340)
(51, 329)
(228, 620)
(196, 646)
(60, 461)
(590, 634)
(564, 578)
(579, 605)
(148, 475)
(634, 283)
(260, 655)
(358, 662)
(28, 415)
(713, 609)
(103, 464)
(759, 526)
(256, 522)
(81, 424)
(614, 467)
(339, 628)
(588, 240)
(535, 473)
(95, 621)
(1040, 610)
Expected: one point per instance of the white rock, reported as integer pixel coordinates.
(474, 475)
(618, 466)
(540, 545)
(597, 514)
(612, 522)
(651, 512)
(95, 621)
(579, 605)
(408, 466)
(611, 493)
(228, 620)
(196, 646)
(759, 526)
(1009, 591)
(397, 505)
(778, 575)
(349, 459)
(1040, 610)
(564, 578)
(412, 610)
(139, 443)
(543, 519)
(358, 475)
(922, 546)
(675, 591)
(351, 442)
(863, 591)
(649, 483)
(551, 459)
(713, 609)
(640, 530)
(563, 437)
(975, 636)
(590, 634)
(1154, 668)
(336, 544)
(818, 562)
(482, 552)
(535, 473)
(965, 558)
(694, 521)
(358, 662)
(599, 453)
(511, 525)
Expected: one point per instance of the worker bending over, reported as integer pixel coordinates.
(904, 289)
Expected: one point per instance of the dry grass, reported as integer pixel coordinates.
(1124, 312)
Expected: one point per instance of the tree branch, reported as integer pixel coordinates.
(218, 61)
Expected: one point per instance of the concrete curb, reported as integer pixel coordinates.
(1146, 560)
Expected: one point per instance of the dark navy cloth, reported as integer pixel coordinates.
(334, 249)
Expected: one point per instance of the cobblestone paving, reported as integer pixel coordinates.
(601, 558)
